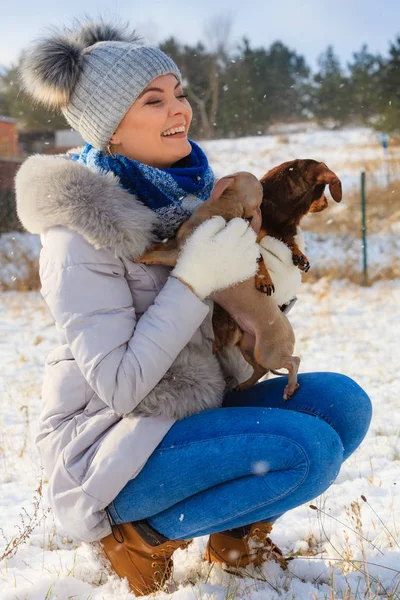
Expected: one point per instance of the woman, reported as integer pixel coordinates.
(145, 486)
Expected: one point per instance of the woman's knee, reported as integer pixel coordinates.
(325, 450)
(342, 403)
(314, 458)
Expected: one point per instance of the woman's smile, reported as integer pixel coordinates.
(175, 135)
(180, 128)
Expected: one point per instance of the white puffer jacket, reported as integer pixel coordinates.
(126, 330)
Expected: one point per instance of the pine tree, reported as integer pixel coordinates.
(331, 94)
(364, 85)
(390, 91)
(261, 86)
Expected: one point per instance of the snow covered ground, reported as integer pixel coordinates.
(339, 327)
(348, 548)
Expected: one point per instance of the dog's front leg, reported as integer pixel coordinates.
(162, 253)
(300, 260)
(263, 279)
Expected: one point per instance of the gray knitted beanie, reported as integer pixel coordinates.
(93, 74)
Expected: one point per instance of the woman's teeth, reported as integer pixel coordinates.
(172, 131)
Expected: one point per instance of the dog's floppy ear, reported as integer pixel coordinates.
(328, 177)
(220, 186)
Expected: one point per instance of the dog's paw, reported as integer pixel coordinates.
(289, 391)
(301, 261)
(266, 288)
(145, 259)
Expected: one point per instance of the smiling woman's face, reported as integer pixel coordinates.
(141, 135)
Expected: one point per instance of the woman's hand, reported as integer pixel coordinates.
(217, 255)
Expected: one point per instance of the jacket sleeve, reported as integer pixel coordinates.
(122, 358)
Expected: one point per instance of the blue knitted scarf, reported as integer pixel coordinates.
(173, 193)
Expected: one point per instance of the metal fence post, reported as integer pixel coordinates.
(364, 229)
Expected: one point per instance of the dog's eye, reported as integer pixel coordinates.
(248, 219)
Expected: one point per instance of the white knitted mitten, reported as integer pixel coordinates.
(217, 255)
(285, 275)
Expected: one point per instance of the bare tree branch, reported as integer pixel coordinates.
(217, 31)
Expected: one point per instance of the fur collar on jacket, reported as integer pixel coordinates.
(55, 191)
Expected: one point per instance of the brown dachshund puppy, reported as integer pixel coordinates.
(290, 191)
(263, 332)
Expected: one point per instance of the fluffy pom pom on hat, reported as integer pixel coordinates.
(94, 74)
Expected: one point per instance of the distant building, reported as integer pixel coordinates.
(49, 142)
(67, 138)
(8, 170)
(35, 142)
(8, 138)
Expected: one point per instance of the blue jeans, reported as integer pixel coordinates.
(251, 460)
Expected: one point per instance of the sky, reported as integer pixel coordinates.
(306, 26)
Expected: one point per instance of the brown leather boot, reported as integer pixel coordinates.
(234, 551)
(136, 552)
